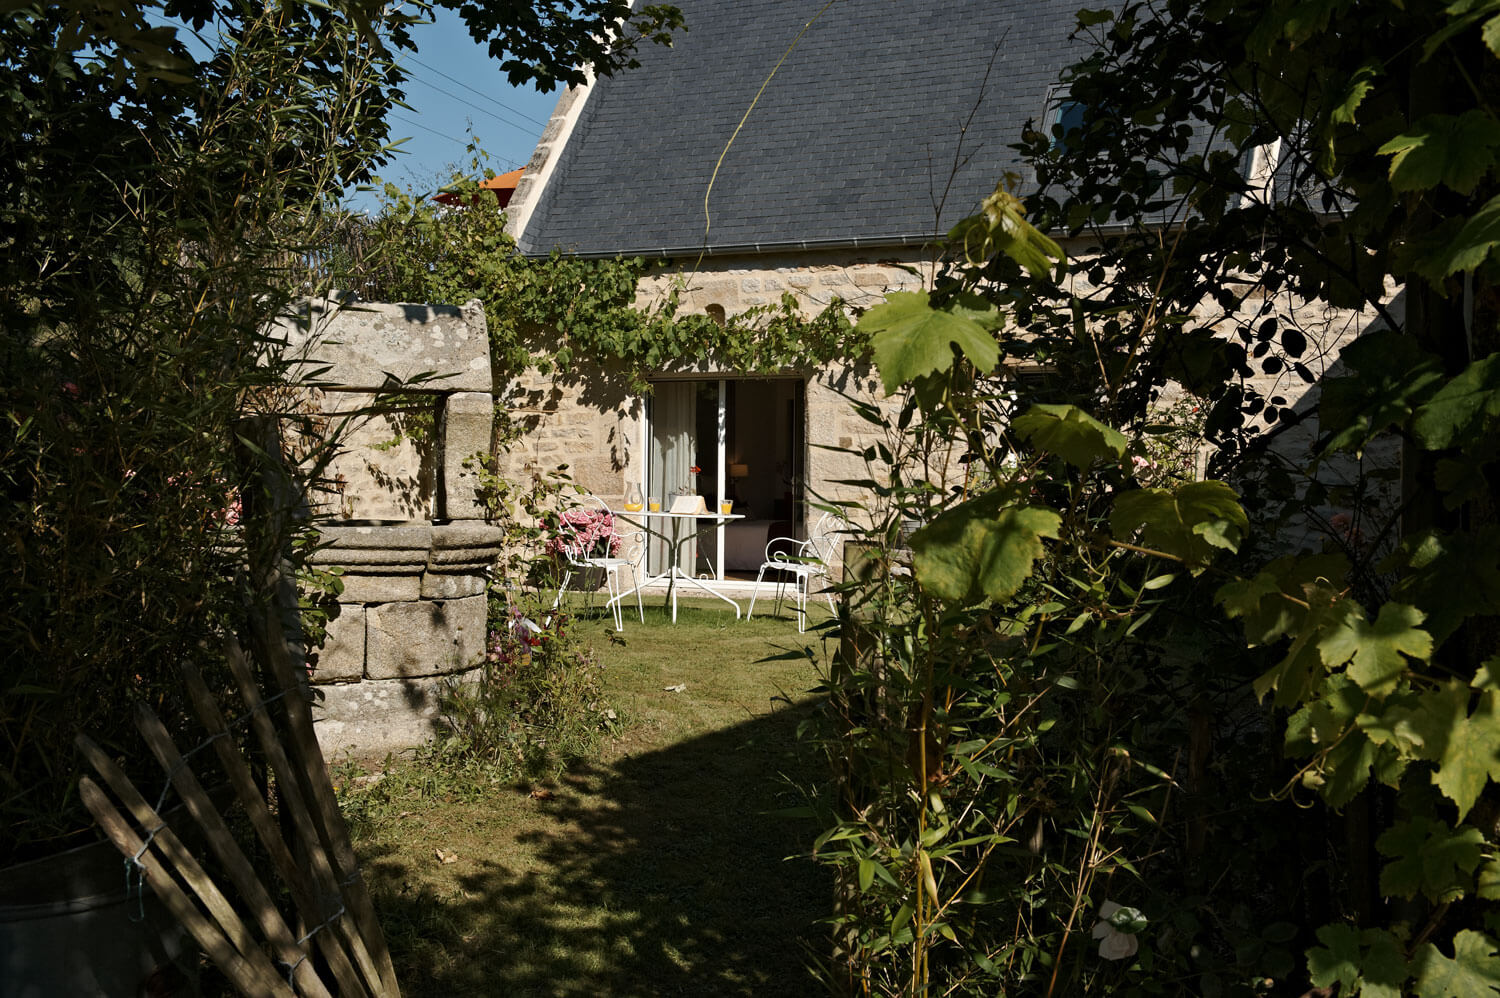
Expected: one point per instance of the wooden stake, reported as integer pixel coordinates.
(293, 792)
(252, 973)
(219, 837)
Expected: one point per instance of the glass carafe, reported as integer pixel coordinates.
(633, 499)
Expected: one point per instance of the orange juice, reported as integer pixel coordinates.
(632, 507)
(656, 505)
(726, 508)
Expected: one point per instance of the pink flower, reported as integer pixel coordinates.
(230, 515)
(582, 532)
(1343, 525)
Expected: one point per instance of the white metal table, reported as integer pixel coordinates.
(675, 571)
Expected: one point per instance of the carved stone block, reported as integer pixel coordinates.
(426, 638)
(342, 657)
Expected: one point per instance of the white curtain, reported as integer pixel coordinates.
(674, 413)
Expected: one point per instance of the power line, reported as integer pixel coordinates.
(476, 93)
(511, 163)
(508, 124)
(434, 131)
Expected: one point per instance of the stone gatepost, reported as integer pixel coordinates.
(406, 524)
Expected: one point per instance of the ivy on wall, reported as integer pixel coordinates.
(555, 313)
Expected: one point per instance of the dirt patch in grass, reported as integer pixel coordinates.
(657, 870)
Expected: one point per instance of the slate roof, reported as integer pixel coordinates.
(852, 143)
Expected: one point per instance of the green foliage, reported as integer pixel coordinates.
(162, 196)
(983, 549)
(546, 42)
(561, 314)
(1009, 718)
(534, 705)
(1454, 151)
(1387, 146)
(911, 339)
(987, 697)
(1191, 523)
(153, 199)
(1070, 433)
(1472, 972)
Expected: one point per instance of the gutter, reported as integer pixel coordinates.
(742, 249)
(776, 246)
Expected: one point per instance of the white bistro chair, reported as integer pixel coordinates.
(800, 562)
(582, 555)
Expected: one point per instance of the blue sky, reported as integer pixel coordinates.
(455, 86)
(454, 89)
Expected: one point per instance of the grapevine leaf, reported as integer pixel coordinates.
(1301, 668)
(1470, 12)
(1453, 150)
(1392, 375)
(1368, 963)
(1343, 108)
(1464, 747)
(1487, 676)
(1487, 882)
(1461, 481)
(1070, 433)
(1429, 858)
(1376, 652)
(1472, 972)
(911, 339)
(1469, 248)
(1354, 91)
(1326, 729)
(1293, 676)
(1262, 603)
(1449, 576)
(968, 305)
(1190, 523)
(1337, 960)
(1461, 408)
(1382, 972)
(983, 548)
(1394, 725)
(1001, 226)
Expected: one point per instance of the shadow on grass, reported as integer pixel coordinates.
(656, 874)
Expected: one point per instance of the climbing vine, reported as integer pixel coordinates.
(557, 312)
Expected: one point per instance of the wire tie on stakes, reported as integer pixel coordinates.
(301, 944)
(135, 876)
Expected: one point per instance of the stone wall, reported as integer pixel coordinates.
(590, 421)
(406, 527)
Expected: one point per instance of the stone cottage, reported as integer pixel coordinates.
(781, 148)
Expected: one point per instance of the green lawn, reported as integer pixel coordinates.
(657, 870)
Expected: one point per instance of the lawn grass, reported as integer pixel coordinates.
(658, 869)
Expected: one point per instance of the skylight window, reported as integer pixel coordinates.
(1064, 116)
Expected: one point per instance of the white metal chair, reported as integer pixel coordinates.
(582, 554)
(801, 562)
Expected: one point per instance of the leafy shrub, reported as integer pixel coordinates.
(534, 705)
(157, 200)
